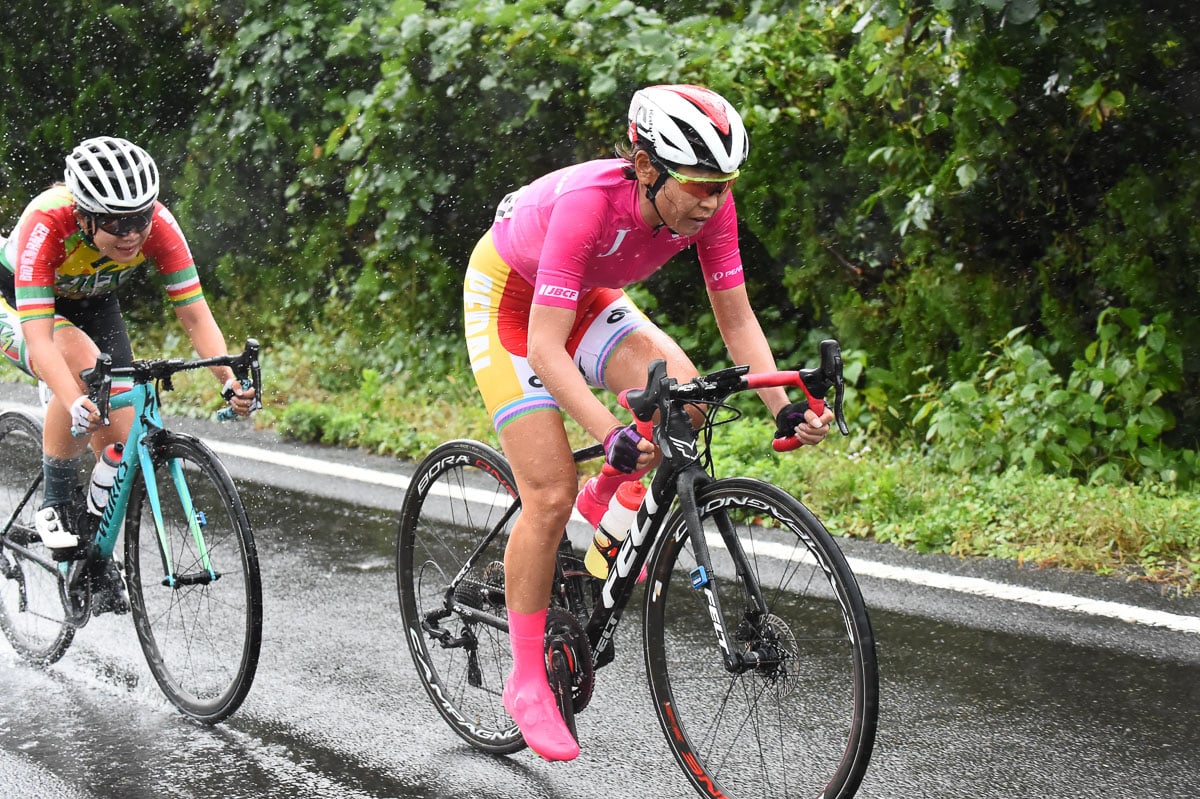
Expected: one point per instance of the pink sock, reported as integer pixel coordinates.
(527, 695)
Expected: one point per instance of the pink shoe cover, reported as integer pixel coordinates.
(536, 713)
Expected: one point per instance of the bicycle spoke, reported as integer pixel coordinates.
(802, 720)
(457, 496)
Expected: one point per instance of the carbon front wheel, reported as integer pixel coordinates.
(796, 713)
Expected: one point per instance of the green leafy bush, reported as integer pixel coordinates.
(1102, 422)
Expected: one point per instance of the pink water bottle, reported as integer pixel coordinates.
(597, 492)
(613, 528)
(594, 497)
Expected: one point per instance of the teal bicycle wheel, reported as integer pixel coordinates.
(199, 627)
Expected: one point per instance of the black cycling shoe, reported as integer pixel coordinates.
(108, 589)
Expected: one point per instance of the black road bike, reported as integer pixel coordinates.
(758, 648)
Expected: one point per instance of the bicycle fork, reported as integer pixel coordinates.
(702, 578)
(195, 519)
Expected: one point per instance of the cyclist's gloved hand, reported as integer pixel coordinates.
(788, 417)
(240, 400)
(621, 449)
(81, 414)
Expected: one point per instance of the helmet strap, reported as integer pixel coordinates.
(653, 189)
(87, 225)
(652, 193)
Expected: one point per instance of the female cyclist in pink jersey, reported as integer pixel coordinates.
(547, 320)
(73, 245)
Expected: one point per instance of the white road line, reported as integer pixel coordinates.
(974, 586)
(1047, 599)
(312, 465)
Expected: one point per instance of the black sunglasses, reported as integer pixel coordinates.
(121, 225)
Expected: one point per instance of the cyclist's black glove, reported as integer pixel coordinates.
(621, 449)
(788, 417)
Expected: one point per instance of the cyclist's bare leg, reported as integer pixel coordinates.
(59, 446)
(536, 446)
(626, 367)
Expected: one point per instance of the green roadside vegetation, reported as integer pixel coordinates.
(867, 485)
(991, 204)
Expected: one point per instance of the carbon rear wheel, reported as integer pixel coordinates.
(457, 631)
(31, 609)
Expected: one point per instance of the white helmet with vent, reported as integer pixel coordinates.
(685, 125)
(107, 175)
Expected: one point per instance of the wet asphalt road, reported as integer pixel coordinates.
(980, 697)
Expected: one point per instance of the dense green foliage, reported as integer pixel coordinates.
(76, 69)
(991, 203)
(1102, 423)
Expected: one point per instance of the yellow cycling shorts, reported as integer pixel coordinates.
(496, 302)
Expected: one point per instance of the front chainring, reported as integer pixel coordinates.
(562, 628)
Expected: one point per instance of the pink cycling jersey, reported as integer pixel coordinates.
(580, 228)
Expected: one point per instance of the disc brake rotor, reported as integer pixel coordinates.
(782, 676)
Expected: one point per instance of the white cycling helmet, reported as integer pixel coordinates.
(107, 175)
(684, 125)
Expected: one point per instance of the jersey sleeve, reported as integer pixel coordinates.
(168, 248)
(40, 247)
(572, 235)
(718, 250)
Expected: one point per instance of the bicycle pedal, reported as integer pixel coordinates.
(86, 549)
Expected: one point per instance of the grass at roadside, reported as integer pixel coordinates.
(859, 487)
(863, 490)
(871, 491)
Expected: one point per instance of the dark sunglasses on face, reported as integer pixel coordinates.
(121, 225)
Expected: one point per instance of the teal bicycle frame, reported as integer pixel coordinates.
(144, 432)
(201, 642)
(147, 425)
